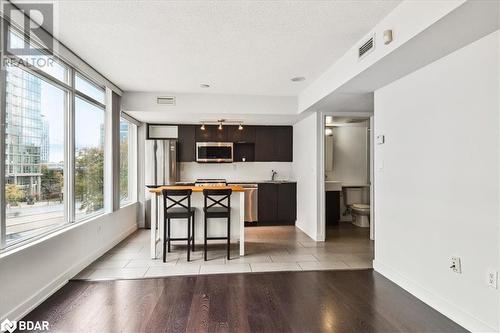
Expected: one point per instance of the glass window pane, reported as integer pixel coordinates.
(89, 159)
(124, 161)
(88, 88)
(34, 155)
(47, 63)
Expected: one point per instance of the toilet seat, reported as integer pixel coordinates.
(360, 206)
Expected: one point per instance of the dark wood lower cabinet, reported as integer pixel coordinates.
(267, 199)
(332, 208)
(287, 203)
(277, 204)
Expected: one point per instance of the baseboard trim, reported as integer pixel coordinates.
(31, 303)
(440, 304)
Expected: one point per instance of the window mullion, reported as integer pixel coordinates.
(69, 165)
(3, 112)
(132, 173)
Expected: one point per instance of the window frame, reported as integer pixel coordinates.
(132, 161)
(73, 170)
(71, 93)
(3, 223)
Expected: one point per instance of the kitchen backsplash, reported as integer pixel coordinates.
(239, 171)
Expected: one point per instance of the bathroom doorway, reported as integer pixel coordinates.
(348, 188)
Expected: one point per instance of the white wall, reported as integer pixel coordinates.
(193, 108)
(437, 182)
(31, 274)
(305, 172)
(233, 172)
(350, 155)
(407, 20)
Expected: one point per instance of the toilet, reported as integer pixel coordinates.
(357, 201)
(360, 215)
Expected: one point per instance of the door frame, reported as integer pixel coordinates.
(321, 228)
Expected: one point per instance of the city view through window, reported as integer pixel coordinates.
(89, 159)
(34, 154)
(42, 94)
(35, 160)
(125, 127)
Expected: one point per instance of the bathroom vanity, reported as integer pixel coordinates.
(332, 202)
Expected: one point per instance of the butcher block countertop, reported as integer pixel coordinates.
(200, 189)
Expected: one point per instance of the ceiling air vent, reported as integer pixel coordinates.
(367, 47)
(166, 100)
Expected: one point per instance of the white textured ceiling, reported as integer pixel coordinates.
(238, 47)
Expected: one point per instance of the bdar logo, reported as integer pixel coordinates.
(8, 325)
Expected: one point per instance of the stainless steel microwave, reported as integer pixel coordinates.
(214, 152)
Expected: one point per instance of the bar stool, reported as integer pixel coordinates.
(217, 209)
(178, 210)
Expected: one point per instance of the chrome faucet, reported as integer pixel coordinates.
(273, 175)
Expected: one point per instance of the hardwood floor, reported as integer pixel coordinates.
(317, 301)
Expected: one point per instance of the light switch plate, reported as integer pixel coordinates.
(493, 279)
(380, 139)
(456, 266)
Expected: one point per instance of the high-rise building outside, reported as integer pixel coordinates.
(26, 141)
(45, 148)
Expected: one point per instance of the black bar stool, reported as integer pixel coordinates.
(217, 209)
(178, 210)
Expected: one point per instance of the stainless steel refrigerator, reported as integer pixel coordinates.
(161, 168)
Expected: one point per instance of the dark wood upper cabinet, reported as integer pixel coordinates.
(187, 143)
(264, 144)
(244, 151)
(211, 134)
(255, 143)
(283, 137)
(274, 143)
(246, 135)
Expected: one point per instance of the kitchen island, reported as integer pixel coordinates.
(216, 227)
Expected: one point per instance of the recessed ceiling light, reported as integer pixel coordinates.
(298, 79)
(204, 85)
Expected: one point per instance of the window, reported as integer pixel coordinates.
(48, 183)
(89, 159)
(90, 89)
(124, 161)
(47, 63)
(34, 155)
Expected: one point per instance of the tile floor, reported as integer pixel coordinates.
(268, 249)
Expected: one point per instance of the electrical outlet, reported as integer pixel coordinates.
(493, 279)
(456, 265)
